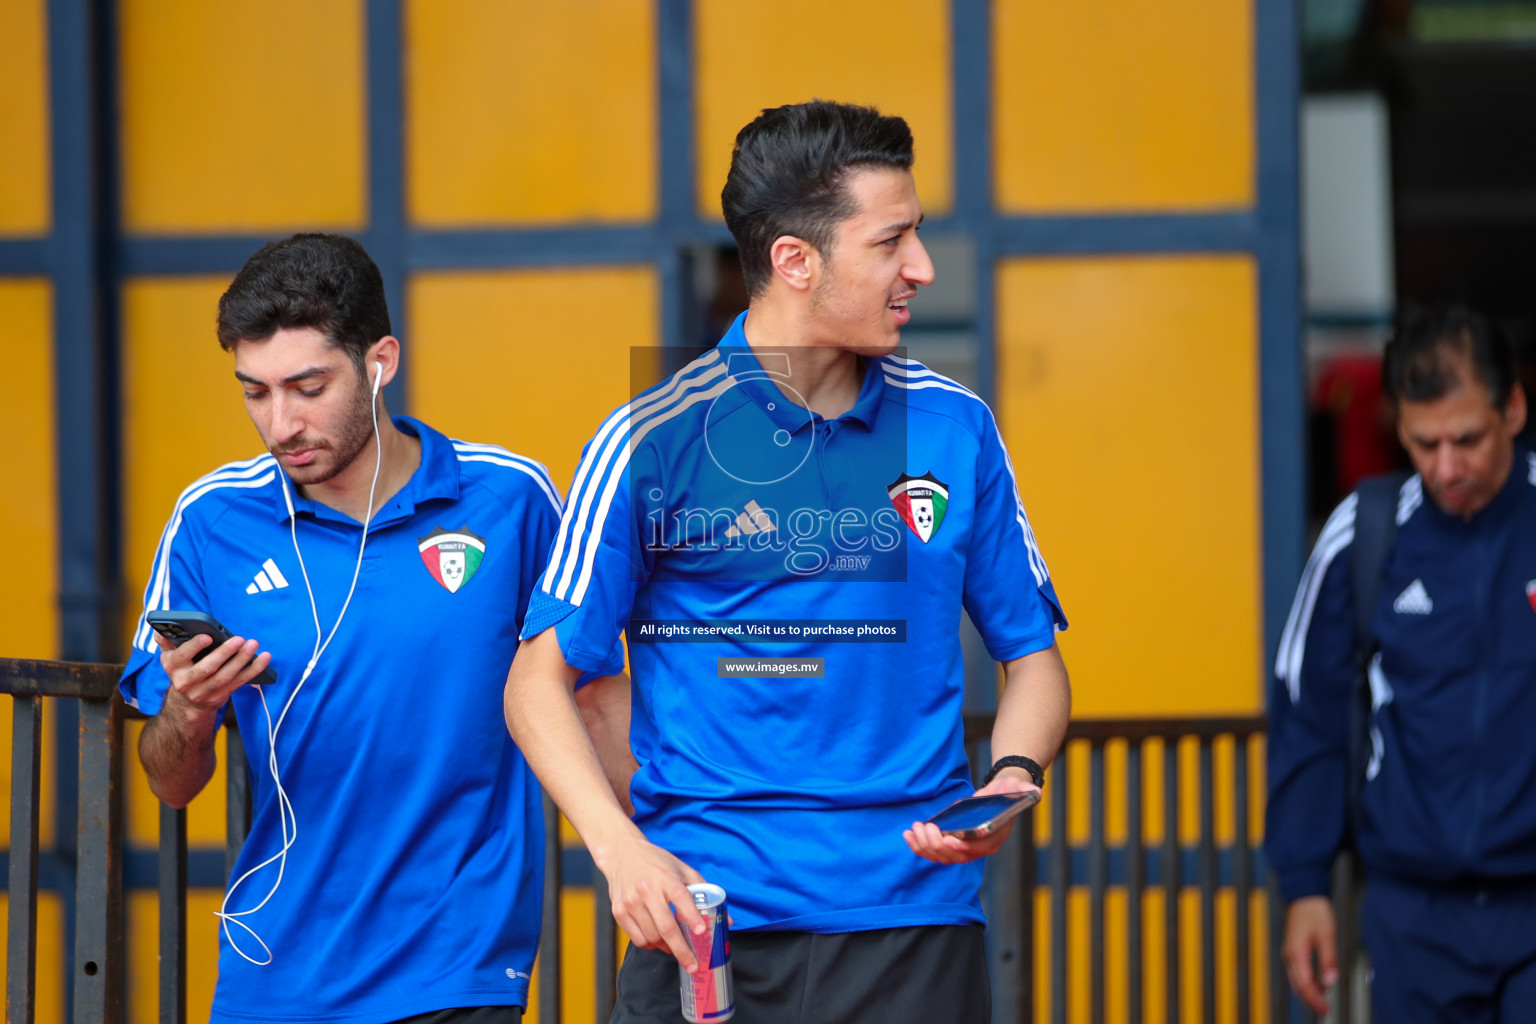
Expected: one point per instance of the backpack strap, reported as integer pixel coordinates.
(1375, 535)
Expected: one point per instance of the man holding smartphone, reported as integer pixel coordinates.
(393, 867)
(789, 529)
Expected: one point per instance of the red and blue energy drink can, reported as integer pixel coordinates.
(708, 994)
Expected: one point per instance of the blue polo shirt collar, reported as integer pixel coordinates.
(755, 380)
(436, 477)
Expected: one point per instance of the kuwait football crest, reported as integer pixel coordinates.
(921, 500)
(452, 556)
(1530, 594)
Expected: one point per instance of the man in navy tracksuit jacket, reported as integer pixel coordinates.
(1446, 818)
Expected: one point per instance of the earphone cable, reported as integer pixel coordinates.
(287, 820)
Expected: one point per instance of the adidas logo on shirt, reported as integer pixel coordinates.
(1414, 600)
(268, 578)
(753, 520)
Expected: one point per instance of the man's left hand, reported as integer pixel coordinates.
(928, 842)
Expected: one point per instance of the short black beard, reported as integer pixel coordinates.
(356, 429)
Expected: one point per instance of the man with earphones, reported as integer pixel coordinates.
(393, 870)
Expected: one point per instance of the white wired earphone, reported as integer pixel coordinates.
(287, 819)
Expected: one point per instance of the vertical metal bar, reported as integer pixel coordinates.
(173, 915)
(1345, 909)
(237, 790)
(387, 237)
(1061, 886)
(607, 954)
(1135, 883)
(1098, 878)
(674, 270)
(21, 924)
(971, 34)
(1282, 380)
(98, 985)
(1279, 990)
(1003, 894)
(1207, 882)
(678, 169)
(82, 78)
(81, 60)
(675, 126)
(549, 936)
(1023, 1011)
(1242, 878)
(66, 820)
(1277, 84)
(971, 108)
(1172, 946)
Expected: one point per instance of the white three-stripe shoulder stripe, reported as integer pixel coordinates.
(255, 472)
(914, 376)
(498, 456)
(602, 469)
(1409, 498)
(1338, 533)
(1531, 458)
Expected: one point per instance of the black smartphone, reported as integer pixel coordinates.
(978, 816)
(180, 626)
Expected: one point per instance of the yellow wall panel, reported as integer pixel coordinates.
(578, 975)
(246, 115)
(25, 194)
(1127, 392)
(29, 616)
(29, 558)
(531, 360)
(894, 54)
(50, 954)
(183, 415)
(143, 912)
(530, 112)
(1113, 105)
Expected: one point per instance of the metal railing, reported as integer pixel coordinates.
(97, 983)
(1136, 867)
(1072, 860)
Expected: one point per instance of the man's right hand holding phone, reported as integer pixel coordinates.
(176, 746)
(199, 688)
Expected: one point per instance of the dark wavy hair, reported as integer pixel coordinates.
(1423, 360)
(789, 174)
(326, 282)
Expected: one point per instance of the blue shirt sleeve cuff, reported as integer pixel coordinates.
(1303, 882)
(545, 612)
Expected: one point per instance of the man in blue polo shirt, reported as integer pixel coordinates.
(393, 868)
(799, 493)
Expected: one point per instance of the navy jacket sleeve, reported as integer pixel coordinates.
(1308, 744)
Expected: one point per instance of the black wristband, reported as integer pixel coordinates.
(1036, 773)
